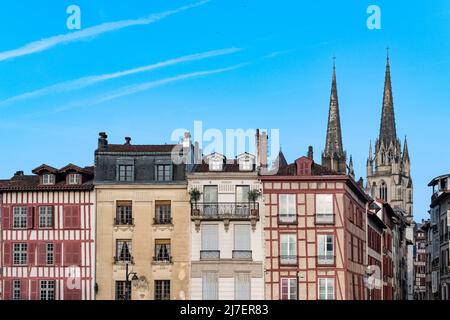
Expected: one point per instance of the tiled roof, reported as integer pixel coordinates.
(316, 170)
(229, 166)
(139, 148)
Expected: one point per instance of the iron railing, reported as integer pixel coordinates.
(242, 254)
(210, 255)
(224, 210)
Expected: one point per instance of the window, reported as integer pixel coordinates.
(246, 165)
(242, 286)
(126, 173)
(72, 253)
(210, 286)
(72, 217)
(17, 290)
(288, 249)
(48, 179)
(46, 217)
(325, 250)
(50, 256)
(123, 290)
(326, 289)
(162, 250)
(288, 212)
(123, 251)
(210, 198)
(124, 213)
(242, 200)
(20, 217)
(383, 191)
(163, 213)
(216, 165)
(47, 290)
(242, 242)
(288, 289)
(210, 242)
(324, 209)
(162, 290)
(164, 172)
(74, 178)
(20, 254)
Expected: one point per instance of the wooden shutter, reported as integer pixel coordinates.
(7, 254)
(6, 218)
(42, 254)
(34, 290)
(74, 294)
(210, 237)
(72, 253)
(67, 212)
(7, 294)
(76, 219)
(31, 254)
(24, 289)
(30, 217)
(57, 251)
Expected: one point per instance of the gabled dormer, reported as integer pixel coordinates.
(216, 161)
(73, 174)
(47, 174)
(246, 161)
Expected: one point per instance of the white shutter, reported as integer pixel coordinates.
(210, 237)
(321, 241)
(242, 240)
(324, 203)
(242, 286)
(448, 218)
(210, 286)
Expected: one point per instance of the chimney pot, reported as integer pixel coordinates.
(127, 140)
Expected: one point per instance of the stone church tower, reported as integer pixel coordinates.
(388, 169)
(334, 157)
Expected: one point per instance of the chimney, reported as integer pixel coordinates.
(18, 174)
(261, 145)
(311, 153)
(127, 141)
(102, 141)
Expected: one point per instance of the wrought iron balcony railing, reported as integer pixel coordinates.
(289, 260)
(162, 259)
(210, 255)
(122, 221)
(324, 218)
(326, 260)
(242, 254)
(287, 219)
(123, 260)
(225, 210)
(162, 220)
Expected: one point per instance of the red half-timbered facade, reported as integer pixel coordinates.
(47, 234)
(315, 233)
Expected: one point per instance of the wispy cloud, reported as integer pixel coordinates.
(47, 43)
(129, 90)
(91, 80)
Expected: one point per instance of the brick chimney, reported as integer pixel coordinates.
(311, 153)
(102, 141)
(127, 141)
(261, 148)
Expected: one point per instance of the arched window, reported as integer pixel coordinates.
(383, 191)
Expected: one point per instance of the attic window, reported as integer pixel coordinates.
(215, 165)
(48, 179)
(246, 165)
(74, 178)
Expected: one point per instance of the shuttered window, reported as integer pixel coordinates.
(46, 217)
(20, 218)
(72, 217)
(326, 289)
(242, 235)
(210, 237)
(242, 286)
(72, 254)
(210, 286)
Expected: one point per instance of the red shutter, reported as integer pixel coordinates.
(57, 254)
(72, 253)
(42, 254)
(74, 294)
(67, 212)
(7, 293)
(24, 290)
(30, 220)
(34, 289)
(7, 253)
(76, 254)
(31, 254)
(53, 216)
(6, 218)
(76, 221)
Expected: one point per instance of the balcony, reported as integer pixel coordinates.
(121, 260)
(242, 254)
(288, 260)
(210, 255)
(326, 260)
(286, 219)
(162, 220)
(226, 212)
(324, 218)
(123, 222)
(162, 259)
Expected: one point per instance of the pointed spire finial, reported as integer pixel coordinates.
(388, 133)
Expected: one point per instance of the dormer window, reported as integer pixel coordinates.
(246, 162)
(216, 165)
(74, 178)
(48, 179)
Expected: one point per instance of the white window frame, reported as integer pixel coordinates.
(212, 293)
(324, 208)
(46, 217)
(291, 284)
(328, 285)
(20, 254)
(74, 178)
(288, 248)
(17, 290)
(20, 217)
(242, 286)
(288, 207)
(324, 256)
(216, 165)
(48, 179)
(47, 290)
(50, 254)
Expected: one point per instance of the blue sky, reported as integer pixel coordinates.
(239, 64)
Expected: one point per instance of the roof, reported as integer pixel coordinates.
(130, 148)
(21, 182)
(228, 166)
(316, 170)
(436, 180)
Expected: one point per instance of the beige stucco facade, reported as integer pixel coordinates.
(143, 233)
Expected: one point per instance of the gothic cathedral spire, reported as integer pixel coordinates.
(388, 131)
(334, 156)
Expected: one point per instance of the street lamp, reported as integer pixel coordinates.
(128, 281)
